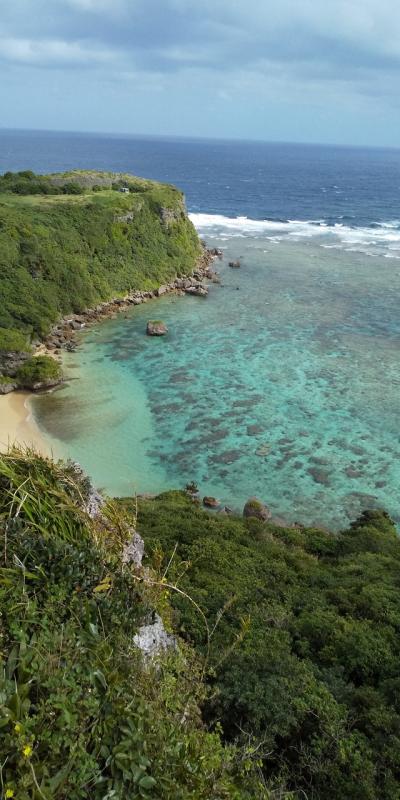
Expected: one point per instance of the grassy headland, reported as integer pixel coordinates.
(70, 241)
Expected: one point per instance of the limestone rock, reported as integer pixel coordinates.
(48, 383)
(170, 215)
(197, 291)
(134, 551)
(11, 361)
(211, 502)
(256, 508)
(7, 387)
(94, 503)
(156, 327)
(153, 639)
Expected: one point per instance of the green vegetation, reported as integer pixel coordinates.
(291, 653)
(81, 713)
(38, 370)
(305, 656)
(78, 181)
(13, 341)
(5, 380)
(26, 182)
(66, 245)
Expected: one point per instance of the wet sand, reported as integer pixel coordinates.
(17, 424)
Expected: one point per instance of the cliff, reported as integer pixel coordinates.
(70, 241)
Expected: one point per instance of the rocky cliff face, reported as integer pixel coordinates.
(11, 361)
(171, 215)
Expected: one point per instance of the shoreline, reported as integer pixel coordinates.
(17, 424)
(62, 336)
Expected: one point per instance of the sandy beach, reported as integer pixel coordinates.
(17, 424)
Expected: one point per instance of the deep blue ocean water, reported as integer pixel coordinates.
(358, 186)
(284, 382)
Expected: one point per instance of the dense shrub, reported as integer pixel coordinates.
(66, 253)
(81, 714)
(13, 341)
(306, 653)
(38, 370)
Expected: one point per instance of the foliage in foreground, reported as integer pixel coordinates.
(314, 676)
(81, 715)
(297, 632)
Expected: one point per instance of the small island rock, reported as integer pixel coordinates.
(211, 502)
(155, 327)
(256, 508)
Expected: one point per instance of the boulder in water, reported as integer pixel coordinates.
(256, 508)
(155, 327)
(211, 502)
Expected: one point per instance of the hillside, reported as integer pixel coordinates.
(305, 655)
(69, 241)
(283, 683)
(83, 713)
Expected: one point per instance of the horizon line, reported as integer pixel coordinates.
(196, 138)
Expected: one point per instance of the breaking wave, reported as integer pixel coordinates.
(380, 239)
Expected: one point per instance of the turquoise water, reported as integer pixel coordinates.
(283, 383)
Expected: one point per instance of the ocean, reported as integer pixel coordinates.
(284, 382)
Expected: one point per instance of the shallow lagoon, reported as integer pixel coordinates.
(283, 383)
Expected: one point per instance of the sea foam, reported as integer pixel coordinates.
(381, 239)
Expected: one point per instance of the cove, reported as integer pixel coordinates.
(283, 383)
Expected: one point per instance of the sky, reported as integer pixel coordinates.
(276, 70)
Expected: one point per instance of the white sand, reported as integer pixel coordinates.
(17, 424)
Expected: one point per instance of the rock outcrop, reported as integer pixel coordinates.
(7, 386)
(211, 502)
(256, 508)
(171, 215)
(11, 361)
(155, 327)
(197, 291)
(134, 551)
(153, 639)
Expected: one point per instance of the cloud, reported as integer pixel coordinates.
(228, 49)
(168, 34)
(51, 52)
(97, 6)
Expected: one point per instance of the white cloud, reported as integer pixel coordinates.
(98, 6)
(299, 53)
(51, 52)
